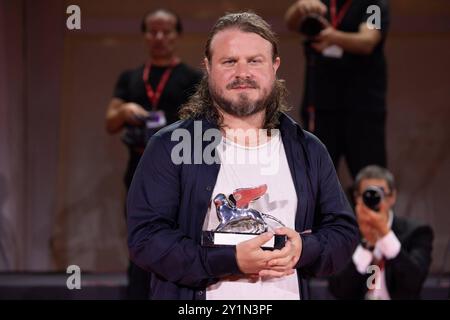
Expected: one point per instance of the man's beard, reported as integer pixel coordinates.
(244, 107)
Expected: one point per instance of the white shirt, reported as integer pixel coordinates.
(240, 170)
(388, 247)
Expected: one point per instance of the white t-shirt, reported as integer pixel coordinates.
(245, 167)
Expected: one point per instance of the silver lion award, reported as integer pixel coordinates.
(238, 222)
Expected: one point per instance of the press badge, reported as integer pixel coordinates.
(156, 120)
(333, 51)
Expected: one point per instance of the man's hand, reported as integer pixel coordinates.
(324, 39)
(251, 259)
(298, 10)
(362, 42)
(306, 7)
(373, 225)
(255, 262)
(282, 262)
(133, 113)
(120, 113)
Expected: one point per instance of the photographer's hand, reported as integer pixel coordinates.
(373, 225)
(133, 113)
(362, 42)
(120, 113)
(306, 7)
(324, 39)
(301, 8)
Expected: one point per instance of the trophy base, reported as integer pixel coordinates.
(223, 239)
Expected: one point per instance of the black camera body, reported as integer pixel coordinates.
(372, 197)
(312, 24)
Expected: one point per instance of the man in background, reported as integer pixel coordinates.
(344, 100)
(146, 99)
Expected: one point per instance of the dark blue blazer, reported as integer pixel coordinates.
(167, 204)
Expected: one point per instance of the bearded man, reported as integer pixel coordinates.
(241, 101)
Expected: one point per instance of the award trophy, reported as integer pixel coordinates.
(238, 222)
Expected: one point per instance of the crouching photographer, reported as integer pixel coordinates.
(394, 254)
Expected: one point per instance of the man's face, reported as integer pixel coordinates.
(161, 35)
(241, 72)
(390, 196)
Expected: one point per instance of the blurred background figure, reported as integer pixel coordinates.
(146, 99)
(344, 100)
(400, 247)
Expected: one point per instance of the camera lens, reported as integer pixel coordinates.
(372, 197)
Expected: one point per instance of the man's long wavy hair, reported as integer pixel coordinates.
(201, 105)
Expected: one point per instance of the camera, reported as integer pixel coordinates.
(312, 24)
(372, 197)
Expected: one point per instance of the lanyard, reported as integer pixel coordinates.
(152, 95)
(336, 19)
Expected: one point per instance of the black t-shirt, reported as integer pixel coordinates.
(179, 87)
(353, 82)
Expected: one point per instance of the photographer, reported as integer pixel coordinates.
(344, 101)
(146, 99)
(400, 247)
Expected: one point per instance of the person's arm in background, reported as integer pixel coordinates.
(120, 112)
(351, 283)
(362, 42)
(301, 8)
(408, 262)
